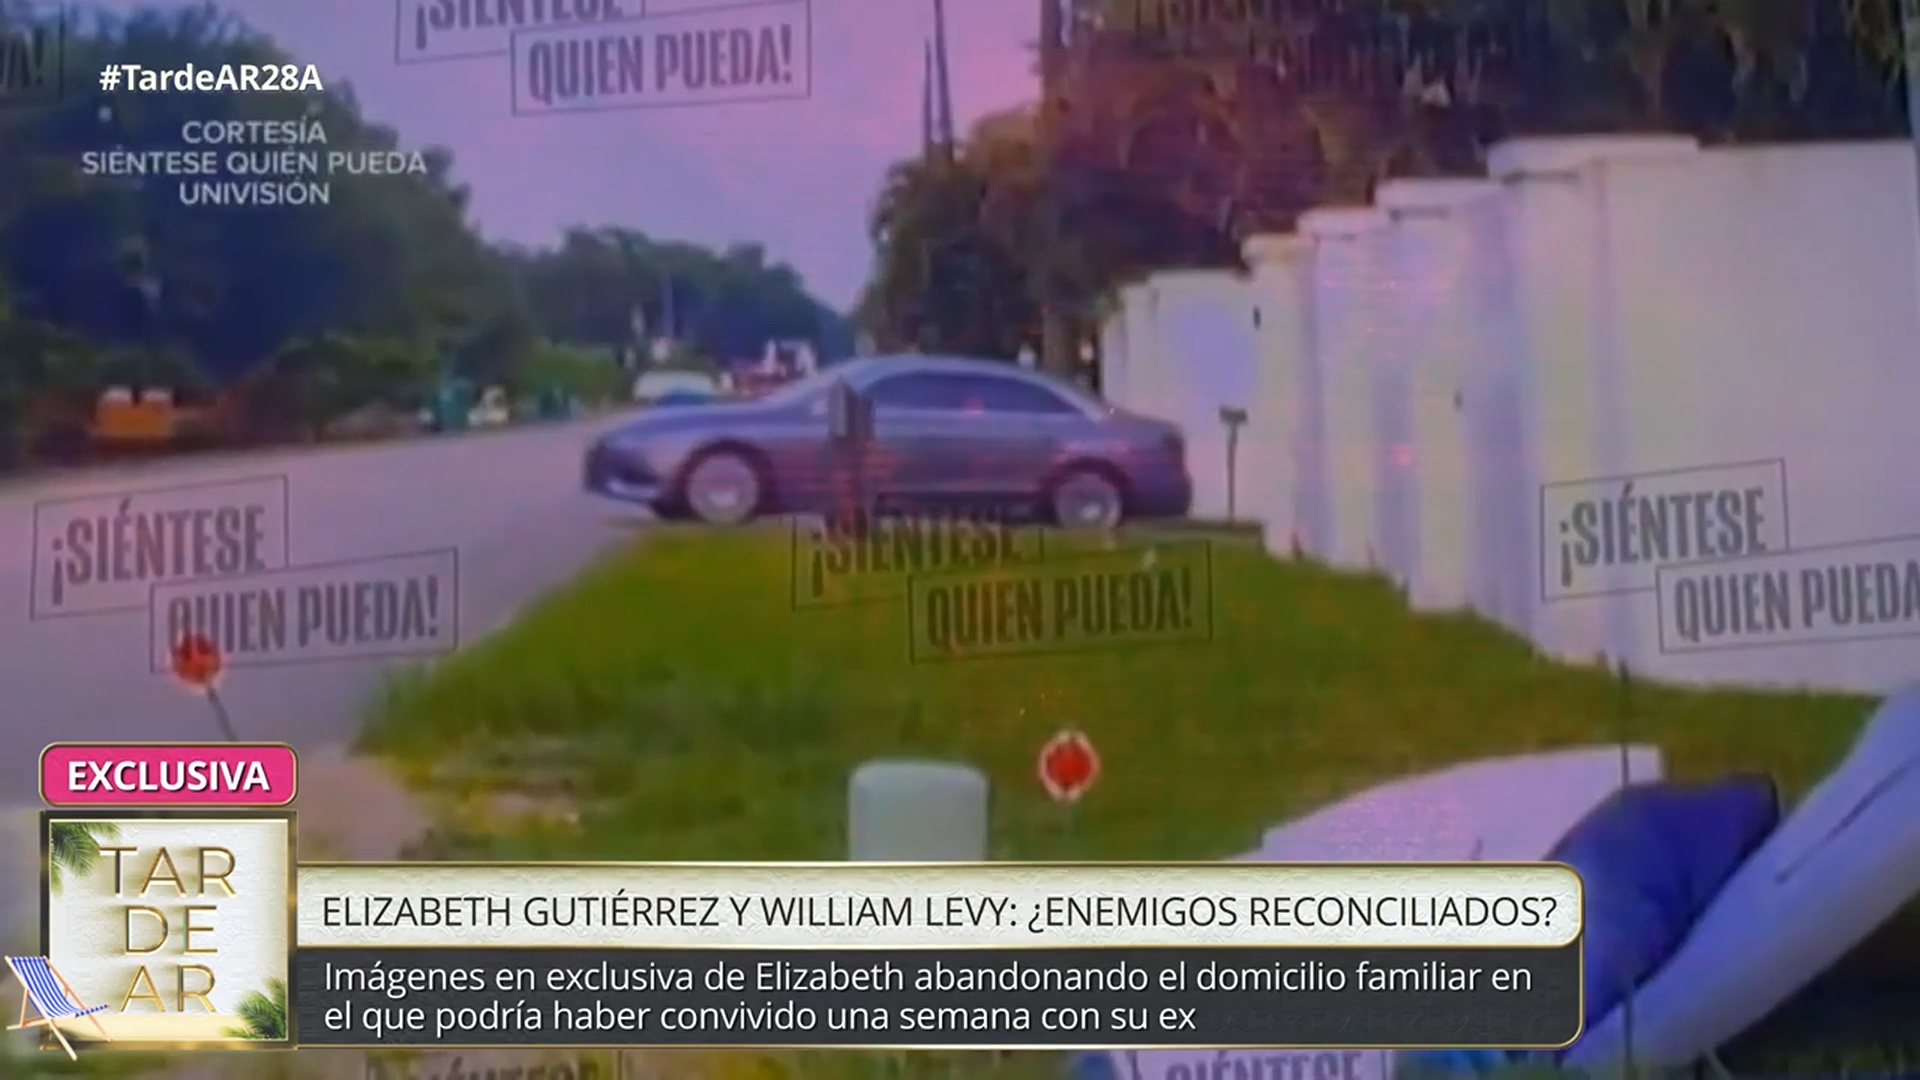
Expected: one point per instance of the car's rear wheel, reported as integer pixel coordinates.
(724, 487)
(1086, 498)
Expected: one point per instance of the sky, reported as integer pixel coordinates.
(795, 176)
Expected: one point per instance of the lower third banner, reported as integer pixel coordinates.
(1061, 998)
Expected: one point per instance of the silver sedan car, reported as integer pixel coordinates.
(947, 433)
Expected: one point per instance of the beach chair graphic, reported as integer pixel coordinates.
(55, 1000)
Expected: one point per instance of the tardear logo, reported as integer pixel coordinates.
(212, 870)
(180, 922)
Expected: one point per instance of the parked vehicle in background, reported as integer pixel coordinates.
(948, 432)
(652, 386)
(752, 383)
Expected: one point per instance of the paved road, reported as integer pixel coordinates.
(509, 502)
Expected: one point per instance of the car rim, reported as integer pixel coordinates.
(724, 490)
(1087, 502)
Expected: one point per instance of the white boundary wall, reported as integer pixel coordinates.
(1206, 320)
(1539, 396)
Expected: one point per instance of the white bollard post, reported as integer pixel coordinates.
(917, 811)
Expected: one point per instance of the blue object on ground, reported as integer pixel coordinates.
(1092, 1065)
(1424, 1063)
(1652, 858)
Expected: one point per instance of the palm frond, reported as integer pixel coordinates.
(73, 847)
(263, 1016)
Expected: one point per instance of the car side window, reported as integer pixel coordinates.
(916, 392)
(1014, 396)
(966, 393)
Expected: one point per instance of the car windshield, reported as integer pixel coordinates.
(803, 390)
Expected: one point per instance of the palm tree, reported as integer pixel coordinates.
(73, 847)
(264, 1015)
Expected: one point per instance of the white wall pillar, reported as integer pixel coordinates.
(1137, 307)
(1558, 269)
(1113, 356)
(1123, 345)
(1763, 305)
(1278, 432)
(1205, 319)
(1345, 271)
(1441, 265)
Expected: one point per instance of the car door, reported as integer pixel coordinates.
(917, 430)
(974, 447)
(1027, 427)
(960, 437)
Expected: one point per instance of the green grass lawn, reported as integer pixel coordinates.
(675, 701)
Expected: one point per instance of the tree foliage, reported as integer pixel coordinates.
(317, 310)
(1185, 126)
(263, 1016)
(73, 847)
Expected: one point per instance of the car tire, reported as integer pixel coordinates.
(723, 487)
(1086, 498)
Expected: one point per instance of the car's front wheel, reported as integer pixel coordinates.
(724, 487)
